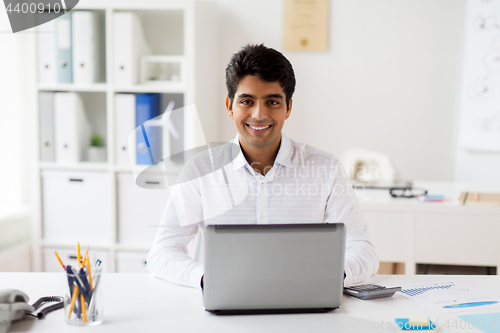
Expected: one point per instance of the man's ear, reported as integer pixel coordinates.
(289, 109)
(229, 108)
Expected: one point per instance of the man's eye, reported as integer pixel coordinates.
(273, 102)
(245, 102)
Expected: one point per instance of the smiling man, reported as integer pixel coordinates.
(268, 179)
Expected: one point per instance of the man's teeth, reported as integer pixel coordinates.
(259, 128)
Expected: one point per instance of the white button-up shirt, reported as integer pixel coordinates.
(305, 185)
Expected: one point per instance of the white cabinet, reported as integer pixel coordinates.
(76, 206)
(447, 233)
(387, 230)
(131, 262)
(140, 207)
(69, 257)
(475, 239)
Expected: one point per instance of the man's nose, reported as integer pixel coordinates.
(259, 111)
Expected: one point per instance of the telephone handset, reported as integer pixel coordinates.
(14, 306)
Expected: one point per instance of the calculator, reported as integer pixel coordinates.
(370, 291)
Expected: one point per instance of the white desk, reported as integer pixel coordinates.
(142, 303)
(408, 231)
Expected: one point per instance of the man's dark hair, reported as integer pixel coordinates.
(265, 63)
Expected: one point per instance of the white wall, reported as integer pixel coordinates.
(16, 91)
(389, 81)
(477, 166)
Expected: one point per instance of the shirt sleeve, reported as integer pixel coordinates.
(168, 258)
(361, 260)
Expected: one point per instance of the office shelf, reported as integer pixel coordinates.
(71, 245)
(138, 248)
(152, 88)
(96, 87)
(171, 27)
(94, 166)
(152, 169)
(82, 166)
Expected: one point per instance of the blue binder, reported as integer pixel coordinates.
(148, 138)
(64, 49)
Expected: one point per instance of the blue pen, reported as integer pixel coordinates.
(83, 277)
(70, 280)
(468, 305)
(71, 283)
(79, 310)
(81, 286)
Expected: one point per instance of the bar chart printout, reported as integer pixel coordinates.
(449, 296)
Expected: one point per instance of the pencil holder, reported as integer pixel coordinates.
(83, 301)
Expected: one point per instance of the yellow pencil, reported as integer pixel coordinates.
(78, 256)
(83, 308)
(60, 261)
(90, 274)
(85, 257)
(73, 299)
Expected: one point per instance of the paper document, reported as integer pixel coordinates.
(486, 322)
(448, 297)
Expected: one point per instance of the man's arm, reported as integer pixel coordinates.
(168, 258)
(361, 261)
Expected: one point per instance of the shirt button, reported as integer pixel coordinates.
(262, 215)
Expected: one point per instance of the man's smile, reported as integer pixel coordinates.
(258, 128)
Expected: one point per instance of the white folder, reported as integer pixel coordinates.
(46, 109)
(129, 46)
(87, 53)
(125, 124)
(47, 52)
(72, 128)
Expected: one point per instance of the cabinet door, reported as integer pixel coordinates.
(387, 234)
(131, 262)
(140, 208)
(76, 207)
(456, 239)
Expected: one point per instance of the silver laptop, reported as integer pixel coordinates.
(274, 268)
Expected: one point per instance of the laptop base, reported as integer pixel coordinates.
(269, 311)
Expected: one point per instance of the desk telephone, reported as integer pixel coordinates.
(14, 306)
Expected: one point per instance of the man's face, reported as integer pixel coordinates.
(259, 112)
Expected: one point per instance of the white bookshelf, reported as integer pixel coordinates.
(192, 27)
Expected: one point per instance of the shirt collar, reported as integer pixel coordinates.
(284, 156)
(240, 160)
